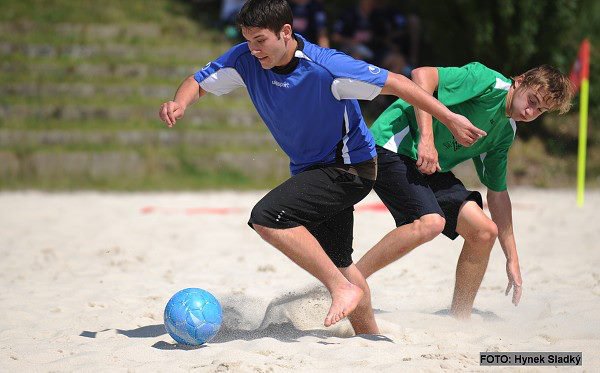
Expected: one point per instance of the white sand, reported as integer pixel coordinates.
(85, 278)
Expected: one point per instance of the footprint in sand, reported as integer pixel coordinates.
(96, 305)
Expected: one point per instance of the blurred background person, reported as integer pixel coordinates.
(229, 11)
(310, 21)
(379, 34)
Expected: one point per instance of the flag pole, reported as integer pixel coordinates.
(583, 122)
(583, 116)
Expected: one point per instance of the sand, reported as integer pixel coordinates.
(85, 278)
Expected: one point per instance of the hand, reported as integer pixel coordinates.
(170, 112)
(427, 157)
(464, 131)
(514, 281)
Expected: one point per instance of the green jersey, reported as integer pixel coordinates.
(474, 91)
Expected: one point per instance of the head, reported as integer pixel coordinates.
(537, 91)
(267, 26)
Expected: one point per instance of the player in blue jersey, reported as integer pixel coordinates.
(306, 95)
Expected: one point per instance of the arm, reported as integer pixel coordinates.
(465, 133)
(188, 92)
(427, 161)
(501, 210)
(323, 39)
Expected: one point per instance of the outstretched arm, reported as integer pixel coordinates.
(464, 131)
(501, 210)
(427, 161)
(188, 92)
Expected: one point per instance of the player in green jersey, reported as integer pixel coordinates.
(416, 153)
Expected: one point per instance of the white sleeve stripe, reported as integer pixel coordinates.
(222, 81)
(482, 157)
(394, 141)
(346, 88)
(513, 124)
(301, 54)
(501, 84)
(345, 154)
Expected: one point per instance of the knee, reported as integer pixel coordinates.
(486, 233)
(431, 226)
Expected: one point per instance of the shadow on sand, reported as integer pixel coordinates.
(286, 319)
(485, 315)
(285, 332)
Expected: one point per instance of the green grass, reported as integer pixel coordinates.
(180, 181)
(92, 11)
(134, 100)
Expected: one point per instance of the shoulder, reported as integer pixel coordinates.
(327, 58)
(235, 53)
(318, 56)
(479, 68)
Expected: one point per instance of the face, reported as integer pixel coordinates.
(526, 104)
(269, 48)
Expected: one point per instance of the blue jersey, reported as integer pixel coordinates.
(312, 110)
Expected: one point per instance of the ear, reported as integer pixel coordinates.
(518, 81)
(286, 32)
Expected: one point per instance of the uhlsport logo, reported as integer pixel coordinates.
(374, 69)
(207, 65)
(281, 84)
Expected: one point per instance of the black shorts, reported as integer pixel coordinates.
(320, 199)
(409, 194)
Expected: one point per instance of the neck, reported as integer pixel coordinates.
(291, 50)
(509, 98)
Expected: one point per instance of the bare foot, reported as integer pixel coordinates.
(344, 301)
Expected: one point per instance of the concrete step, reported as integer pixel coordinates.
(160, 138)
(91, 90)
(103, 32)
(198, 116)
(85, 90)
(44, 165)
(53, 71)
(114, 52)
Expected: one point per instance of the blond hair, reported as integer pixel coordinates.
(555, 87)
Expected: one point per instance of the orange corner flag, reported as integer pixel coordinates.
(581, 67)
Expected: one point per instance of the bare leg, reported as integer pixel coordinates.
(480, 233)
(362, 319)
(400, 242)
(303, 249)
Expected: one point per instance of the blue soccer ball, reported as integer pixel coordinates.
(193, 316)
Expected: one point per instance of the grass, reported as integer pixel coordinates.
(90, 11)
(179, 181)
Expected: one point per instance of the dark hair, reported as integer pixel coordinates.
(267, 14)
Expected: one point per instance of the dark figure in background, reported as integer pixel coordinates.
(229, 12)
(379, 34)
(310, 21)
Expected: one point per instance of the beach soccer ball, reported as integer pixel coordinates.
(193, 316)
